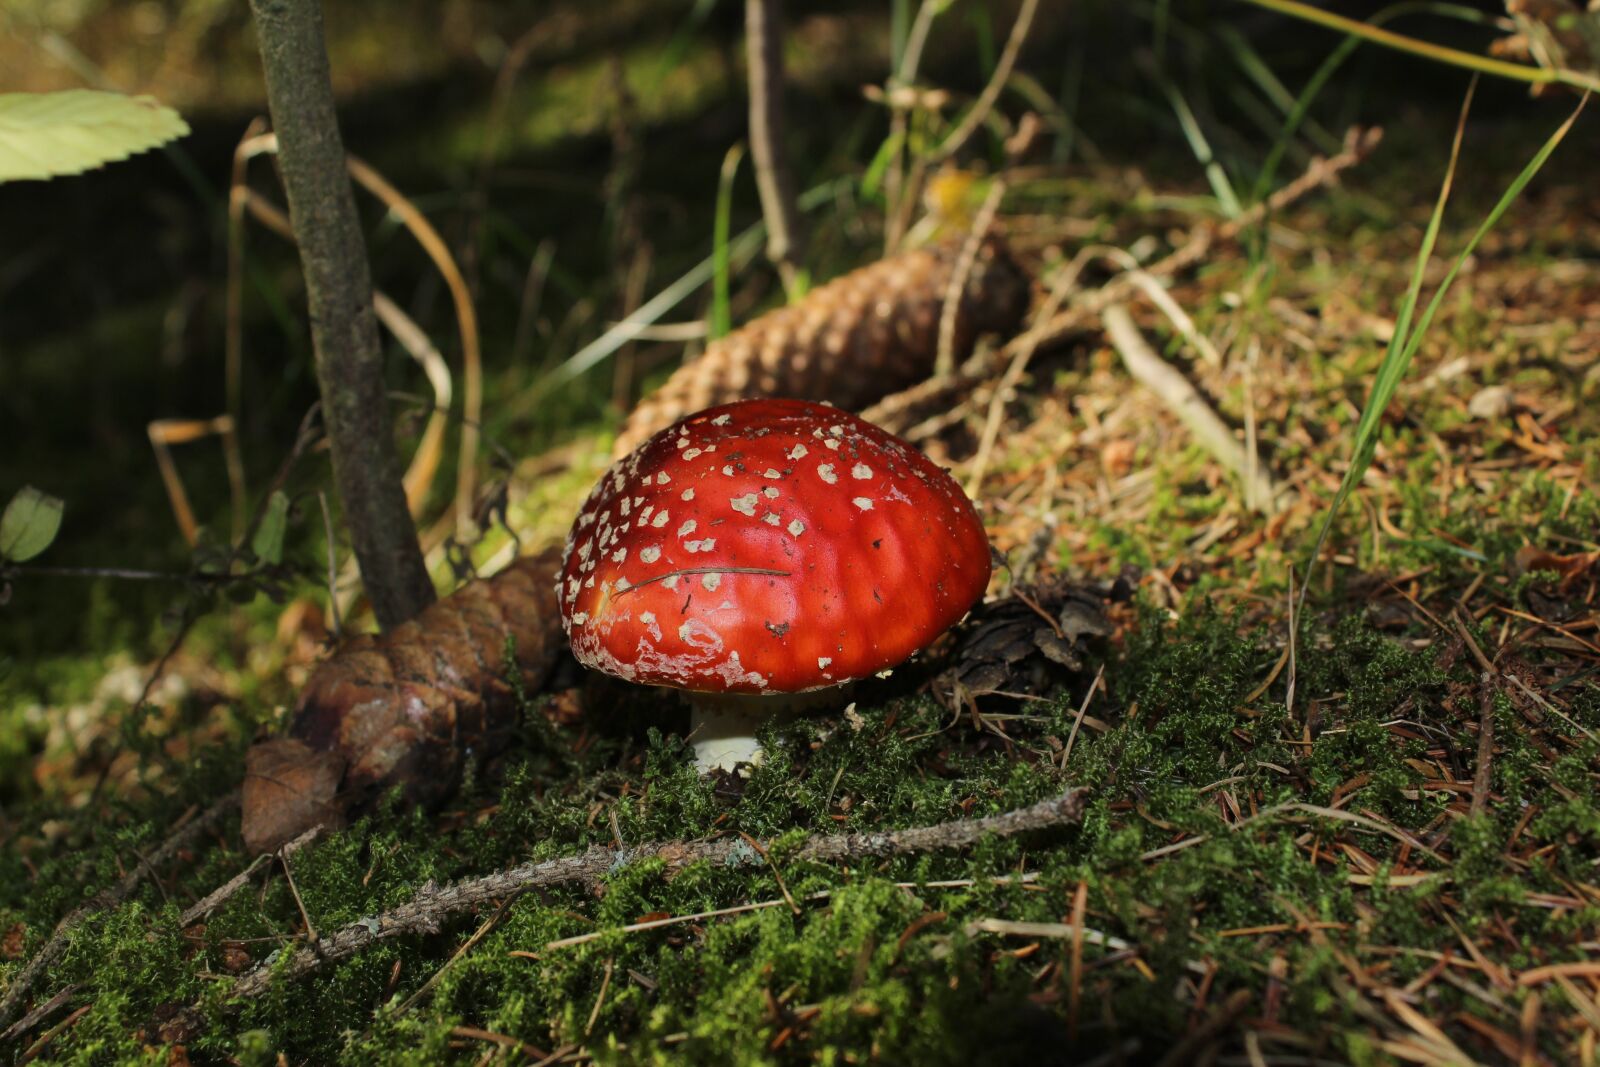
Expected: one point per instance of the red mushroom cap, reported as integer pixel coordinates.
(768, 546)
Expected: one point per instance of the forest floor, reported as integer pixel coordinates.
(1371, 837)
(1364, 833)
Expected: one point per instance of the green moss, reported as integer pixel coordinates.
(870, 968)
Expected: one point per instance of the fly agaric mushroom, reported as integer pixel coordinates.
(764, 548)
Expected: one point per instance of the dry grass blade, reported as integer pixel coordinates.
(944, 361)
(1428, 50)
(164, 433)
(419, 476)
(238, 193)
(761, 905)
(466, 320)
(895, 412)
(425, 462)
(1058, 931)
(424, 465)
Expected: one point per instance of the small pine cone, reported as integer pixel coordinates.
(405, 708)
(849, 342)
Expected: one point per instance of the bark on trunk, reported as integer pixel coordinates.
(344, 334)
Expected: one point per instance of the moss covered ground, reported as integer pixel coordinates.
(1226, 869)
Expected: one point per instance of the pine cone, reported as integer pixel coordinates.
(405, 708)
(849, 342)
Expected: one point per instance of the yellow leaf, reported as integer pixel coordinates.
(43, 135)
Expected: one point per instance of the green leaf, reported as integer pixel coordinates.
(29, 524)
(267, 544)
(43, 135)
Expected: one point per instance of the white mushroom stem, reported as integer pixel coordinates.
(722, 726)
(723, 737)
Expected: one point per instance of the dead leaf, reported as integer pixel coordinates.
(289, 787)
(1117, 457)
(1569, 567)
(1490, 403)
(13, 943)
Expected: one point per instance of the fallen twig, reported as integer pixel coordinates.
(433, 903)
(1481, 772)
(187, 829)
(41, 1012)
(1181, 398)
(225, 892)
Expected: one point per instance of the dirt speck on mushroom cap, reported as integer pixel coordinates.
(768, 546)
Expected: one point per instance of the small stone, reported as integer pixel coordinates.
(1490, 402)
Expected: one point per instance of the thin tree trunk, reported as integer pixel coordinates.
(344, 333)
(763, 34)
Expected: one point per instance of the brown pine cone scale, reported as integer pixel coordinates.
(849, 342)
(406, 708)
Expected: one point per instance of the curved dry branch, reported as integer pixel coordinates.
(433, 904)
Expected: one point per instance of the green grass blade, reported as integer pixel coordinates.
(1269, 85)
(872, 180)
(1507, 198)
(721, 318)
(740, 250)
(1408, 307)
(1406, 340)
(1319, 79)
(1220, 185)
(1428, 50)
(1392, 368)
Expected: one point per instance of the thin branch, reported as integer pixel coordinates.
(433, 904)
(189, 827)
(344, 330)
(225, 892)
(763, 31)
(1482, 776)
